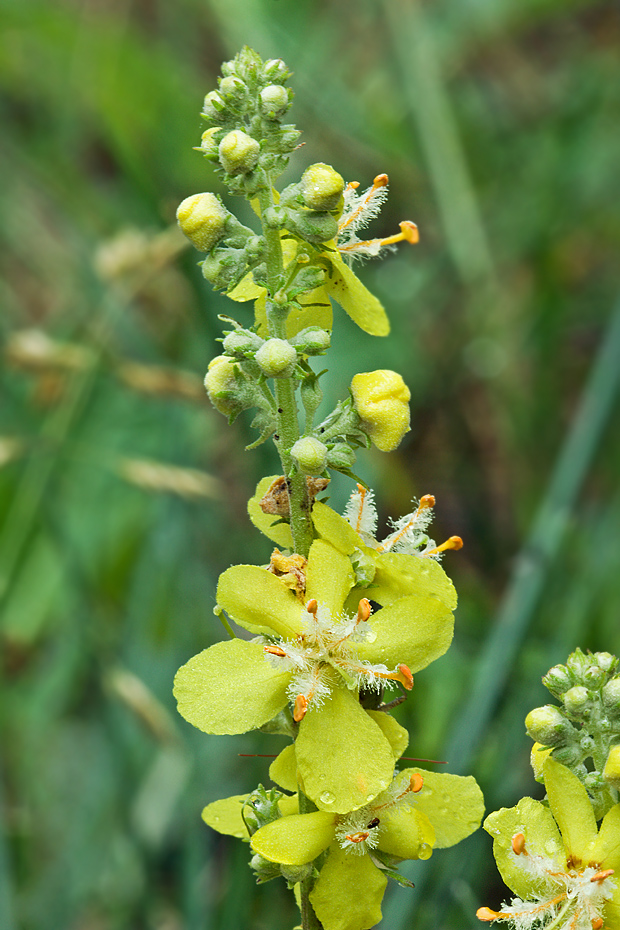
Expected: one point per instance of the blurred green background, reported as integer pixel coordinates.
(122, 493)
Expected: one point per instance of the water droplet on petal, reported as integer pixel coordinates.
(326, 797)
(425, 851)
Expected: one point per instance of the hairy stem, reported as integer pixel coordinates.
(287, 432)
(309, 920)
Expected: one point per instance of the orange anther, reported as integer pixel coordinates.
(357, 837)
(275, 651)
(597, 923)
(455, 542)
(364, 610)
(518, 844)
(299, 708)
(410, 231)
(415, 783)
(485, 913)
(427, 500)
(353, 185)
(312, 607)
(405, 677)
(601, 876)
(381, 180)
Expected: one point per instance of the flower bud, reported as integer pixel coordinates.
(238, 152)
(314, 227)
(274, 101)
(576, 700)
(275, 70)
(611, 697)
(594, 677)
(381, 398)
(341, 456)
(568, 755)
(264, 870)
(558, 680)
(242, 343)
(310, 455)
(578, 663)
(221, 382)
(213, 106)
(321, 187)
(276, 358)
(611, 772)
(224, 268)
(605, 660)
(312, 341)
(537, 759)
(232, 89)
(208, 145)
(311, 394)
(547, 725)
(202, 218)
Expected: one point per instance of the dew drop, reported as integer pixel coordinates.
(326, 797)
(425, 851)
(550, 849)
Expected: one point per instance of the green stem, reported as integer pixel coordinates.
(287, 431)
(309, 920)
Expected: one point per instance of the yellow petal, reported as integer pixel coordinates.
(397, 736)
(295, 840)
(348, 892)
(571, 807)
(283, 769)
(225, 816)
(329, 576)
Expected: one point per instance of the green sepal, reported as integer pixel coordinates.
(348, 892)
(389, 870)
(225, 816)
(297, 839)
(257, 600)
(230, 688)
(453, 803)
(414, 630)
(270, 525)
(343, 757)
(354, 298)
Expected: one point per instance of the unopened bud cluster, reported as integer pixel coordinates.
(584, 732)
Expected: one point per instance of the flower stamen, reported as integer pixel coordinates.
(455, 542)
(518, 845)
(601, 876)
(427, 502)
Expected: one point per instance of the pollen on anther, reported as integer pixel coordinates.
(300, 708)
(597, 923)
(518, 844)
(601, 876)
(357, 837)
(364, 610)
(405, 677)
(485, 913)
(416, 783)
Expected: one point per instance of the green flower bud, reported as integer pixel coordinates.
(261, 808)
(611, 697)
(222, 384)
(224, 268)
(238, 152)
(606, 661)
(311, 394)
(264, 870)
(274, 101)
(295, 873)
(276, 358)
(578, 663)
(213, 106)
(611, 772)
(341, 456)
(594, 677)
(202, 218)
(364, 568)
(242, 343)
(275, 217)
(568, 755)
(233, 89)
(313, 227)
(275, 70)
(547, 725)
(312, 341)
(321, 187)
(310, 455)
(208, 145)
(576, 700)
(558, 680)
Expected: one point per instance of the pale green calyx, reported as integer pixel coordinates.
(202, 218)
(547, 725)
(208, 145)
(310, 455)
(238, 152)
(274, 100)
(276, 358)
(321, 187)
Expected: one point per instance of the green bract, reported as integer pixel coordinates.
(320, 657)
(556, 860)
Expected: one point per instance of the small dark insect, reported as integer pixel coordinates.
(373, 823)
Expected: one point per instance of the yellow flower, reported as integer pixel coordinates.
(382, 400)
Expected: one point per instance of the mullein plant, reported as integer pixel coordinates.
(338, 616)
(561, 856)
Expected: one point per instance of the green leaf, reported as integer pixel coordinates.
(269, 524)
(225, 816)
(329, 576)
(230, 688)
(542, 838)
(347, 894)
(453, 803)
(355, 299)
(297, 839)
(259, 601)
(571, 807)
(397, 736)
(413, 630)
(342, 756)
